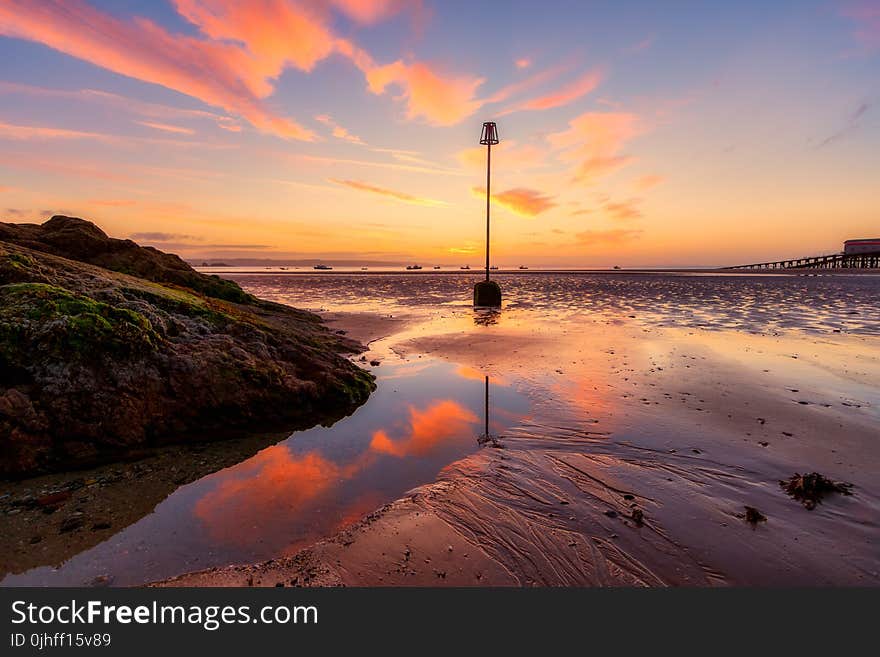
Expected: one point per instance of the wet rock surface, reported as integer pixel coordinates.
(107, 347)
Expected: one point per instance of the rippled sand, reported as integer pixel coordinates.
(660, 407)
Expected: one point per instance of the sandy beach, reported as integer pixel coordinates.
(648, 440)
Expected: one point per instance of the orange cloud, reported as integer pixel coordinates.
(439, 99)
(568, 94)
(400, 196)
(646, 182)
(222, 74)
(166, 127)
(594, 140)
(524, 62)
(511, 156)
(624, 210)
(613, 236)
(521, 201)
(438, 423)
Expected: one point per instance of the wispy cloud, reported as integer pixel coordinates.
(593, 142)
(164, 237)
(648, 181)
(519, 200)
(112, 203)
(851, 123)
(624, 210)
(167, 127)
(382, 191)
(563, 96)
(337, 130)
(611, 236)
(120, 103)
(21, 132)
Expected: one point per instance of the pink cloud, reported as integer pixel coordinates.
(567, 94)
(866, 15)
(22, 132)
(218, 73)
(166, 127)
(523, 62)
(369, 11)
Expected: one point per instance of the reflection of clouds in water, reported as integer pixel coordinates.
(752, 303)
(277, 483)
(442, 421)
(273, 482)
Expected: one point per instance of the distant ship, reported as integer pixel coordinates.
(617, 266)
(465, 267)
(363, 269)
(413, 267)
(494, 267)
(523, 267)
(436, 266)
(322, 267)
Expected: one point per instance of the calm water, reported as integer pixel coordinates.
(428, 413)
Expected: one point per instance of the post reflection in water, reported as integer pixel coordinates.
(487, 316)
(486, 439)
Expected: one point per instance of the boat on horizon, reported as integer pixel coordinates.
(322, 267)
(523, 267)
(493, 267)
(363, 269)
(465, 267)
(436, 266)
(411, 267)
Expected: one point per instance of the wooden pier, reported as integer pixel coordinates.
(834, 261)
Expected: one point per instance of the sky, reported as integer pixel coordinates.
(631, 133)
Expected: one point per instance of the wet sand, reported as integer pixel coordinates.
(645, 447)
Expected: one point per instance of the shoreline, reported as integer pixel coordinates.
(621, 506)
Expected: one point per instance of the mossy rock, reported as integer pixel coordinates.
(69, 324)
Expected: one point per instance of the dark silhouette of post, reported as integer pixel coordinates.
(488, 197)
(488, 293)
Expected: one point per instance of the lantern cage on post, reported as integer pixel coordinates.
(487, 293)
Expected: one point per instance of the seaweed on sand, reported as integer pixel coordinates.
(809, 489)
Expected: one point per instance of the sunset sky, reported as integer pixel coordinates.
(638, 134)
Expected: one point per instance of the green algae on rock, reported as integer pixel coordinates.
(109, 347)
